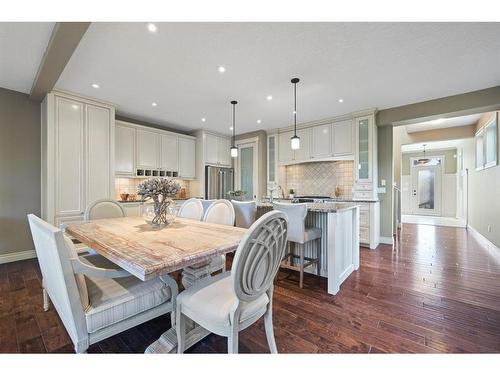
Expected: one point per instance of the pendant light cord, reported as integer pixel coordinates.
(295, 109)
(234, 130)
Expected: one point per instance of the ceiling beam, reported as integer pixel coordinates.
(63, 42)
(451, 106)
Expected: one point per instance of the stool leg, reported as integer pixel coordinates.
(301, 282)
(318, 254)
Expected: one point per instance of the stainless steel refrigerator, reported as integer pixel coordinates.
(218, 182)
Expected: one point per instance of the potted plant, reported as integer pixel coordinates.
(291, 193)
(237, 195)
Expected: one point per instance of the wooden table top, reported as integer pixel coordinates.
(148, 252)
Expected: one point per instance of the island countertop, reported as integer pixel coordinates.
(329, 207)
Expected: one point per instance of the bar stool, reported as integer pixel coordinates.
(299, 234)
(245, 213)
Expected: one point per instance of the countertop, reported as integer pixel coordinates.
(319, 207)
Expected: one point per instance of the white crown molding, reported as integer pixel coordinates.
(16, 256)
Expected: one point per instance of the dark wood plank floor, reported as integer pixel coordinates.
(437, 291)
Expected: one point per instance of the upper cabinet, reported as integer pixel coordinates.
(77, 155)
(365, 170)
(125, 139)
(272, 160)
(147, 152)
(217, 150)
(324, 142)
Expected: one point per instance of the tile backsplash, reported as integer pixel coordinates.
(129, 185)
(321, 178)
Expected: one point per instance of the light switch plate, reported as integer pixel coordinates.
(381, 190)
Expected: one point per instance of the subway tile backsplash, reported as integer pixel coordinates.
(321, 178)
(129, 185)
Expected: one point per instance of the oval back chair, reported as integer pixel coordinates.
(191, 209)
(104, 209)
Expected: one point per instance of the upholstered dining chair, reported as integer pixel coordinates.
(232, 301)
(299, 235)
(206, 203)
(220, 211)
(94, 298)
(245, 213)
(191, 209)
(104, 209)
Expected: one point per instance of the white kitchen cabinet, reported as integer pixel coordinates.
(285, 151)
(365, 186)
(169, 153)
(343, 138)
(272, 159)
(321, 141)
(148, 147)
(77, 155)
(125, 138)
(187, 160)
(223, 151)
(133, 208)
(211, 148)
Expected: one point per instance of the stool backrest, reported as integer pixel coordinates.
(259, 255)
(245, 213)
(296, 213)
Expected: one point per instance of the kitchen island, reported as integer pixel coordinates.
(339, 253)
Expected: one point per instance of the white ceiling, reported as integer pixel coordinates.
(22, 45)
(443, 123)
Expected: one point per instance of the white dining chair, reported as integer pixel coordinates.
(232, 301)
(104, 209)
(245, 213)
(93, 297)
(299, 235)
(191, 209)
(220, 211)
(206, 203)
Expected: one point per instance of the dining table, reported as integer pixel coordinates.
(148, 252)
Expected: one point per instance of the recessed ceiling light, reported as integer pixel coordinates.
(154, 104)
(152, 27)
(203, 119)
(95, 85)
(259, 121)
(341, 100)
(438, 121)
(230, 128)
(221, 69)
(269, 97)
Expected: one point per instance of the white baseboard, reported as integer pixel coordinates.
(18, 255)
(494, 250)
(387, 240)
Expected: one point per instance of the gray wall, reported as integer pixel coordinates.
(19, 169)
(385, 172)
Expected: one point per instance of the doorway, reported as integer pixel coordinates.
(426, 185)
(246, 174)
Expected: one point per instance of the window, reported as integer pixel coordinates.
(487, 145)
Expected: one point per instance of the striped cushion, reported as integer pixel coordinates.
(114, 300)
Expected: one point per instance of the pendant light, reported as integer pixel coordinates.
(295, 141)
(424, 160)
(234, 149)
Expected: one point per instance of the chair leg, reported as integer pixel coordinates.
(318, 254)
(180, 329)
(268, 325)
(301, 266)
(46, 300)
(232, 342)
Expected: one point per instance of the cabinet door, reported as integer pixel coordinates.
(187, 158)
(285, 151)
(364, 138)
(98, 166)
(147, 149)
(343, 138)
(169, 153)
(271, 159)
(124, 150)
(321, 141)
(69, 157)
(304, 152)
(211, 149)
(223, 151)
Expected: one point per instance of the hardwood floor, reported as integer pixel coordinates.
(437, 291)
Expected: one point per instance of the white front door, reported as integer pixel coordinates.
(426, 177)
(247, 177)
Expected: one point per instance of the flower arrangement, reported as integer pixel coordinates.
(160, 190)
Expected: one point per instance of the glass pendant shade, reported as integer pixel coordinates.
(234, 152)
(295, 142)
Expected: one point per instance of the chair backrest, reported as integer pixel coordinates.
(54, 253)
(191, 209)
(206, 203)
(104, 209)
(245, 213)
(220, 212)
(296, 213)
(259, 255)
